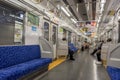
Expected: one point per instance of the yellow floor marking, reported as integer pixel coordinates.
(55, 63)
(104, 63)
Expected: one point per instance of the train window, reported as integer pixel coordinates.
(54, 35)
(64, 35)
(46, 31)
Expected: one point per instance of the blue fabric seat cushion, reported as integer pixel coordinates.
(17, 71)
(13, 55)
(72, 47)
(114, 73)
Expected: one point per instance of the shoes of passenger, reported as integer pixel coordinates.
(92, 54)
(72, 59)
(98, 62)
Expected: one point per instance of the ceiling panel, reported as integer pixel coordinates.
(73, 6)
(82, 11)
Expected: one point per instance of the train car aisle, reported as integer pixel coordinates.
(83, 68)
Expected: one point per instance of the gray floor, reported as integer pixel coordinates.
(83, 68)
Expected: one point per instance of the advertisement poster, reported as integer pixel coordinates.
(33, 22)
(18, 32)
(61, 30)
(88, 28)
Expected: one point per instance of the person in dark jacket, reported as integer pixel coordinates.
(71, 54)
(98, 53)
(98, 46)
(82, 47)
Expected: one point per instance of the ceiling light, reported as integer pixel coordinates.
(88, 6)
(99, 19)
(102, 5)
(21, 16)
(73, 20)
(65, 11)
(77, 7)
(103, 1)
(118, 17)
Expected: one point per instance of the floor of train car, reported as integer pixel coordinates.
(83, 68)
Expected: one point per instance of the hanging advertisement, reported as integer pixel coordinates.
(87, 27)
(60, 32)
(32, 29)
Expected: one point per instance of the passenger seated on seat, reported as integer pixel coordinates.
(70, 54)
(86, 45)
(98, 45)
(98, 53)
(82, 47)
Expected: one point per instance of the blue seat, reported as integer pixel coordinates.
(17, 61)
(114, 73)
(72, 47)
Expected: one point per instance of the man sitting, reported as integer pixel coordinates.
(70, 53)
(97, 50)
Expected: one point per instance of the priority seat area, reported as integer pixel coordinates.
(18, 61)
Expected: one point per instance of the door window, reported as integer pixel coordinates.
(46, 31)
(54, 35)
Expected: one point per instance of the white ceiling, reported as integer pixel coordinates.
(106, 21)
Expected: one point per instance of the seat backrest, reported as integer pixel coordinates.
(71, 45)
(12, 55)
